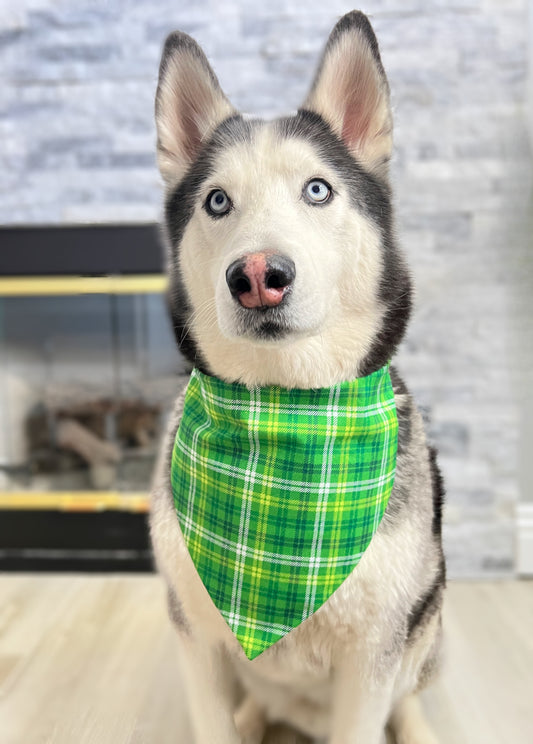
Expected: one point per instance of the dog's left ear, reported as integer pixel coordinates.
(351, 92)
(188, 107)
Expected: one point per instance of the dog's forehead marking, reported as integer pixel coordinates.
(266, 157)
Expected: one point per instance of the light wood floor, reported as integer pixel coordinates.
(92, 660)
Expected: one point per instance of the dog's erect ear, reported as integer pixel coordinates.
(351, 92)
(189, 105)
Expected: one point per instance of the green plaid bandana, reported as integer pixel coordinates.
(279, 492)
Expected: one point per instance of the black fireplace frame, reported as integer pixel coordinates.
(55, 539)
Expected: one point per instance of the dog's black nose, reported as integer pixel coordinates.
(260, 280)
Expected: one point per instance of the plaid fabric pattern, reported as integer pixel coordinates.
(278, 493)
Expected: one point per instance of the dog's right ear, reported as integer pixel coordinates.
(189, 105)
(351, 92)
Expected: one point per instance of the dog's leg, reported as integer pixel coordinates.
(362, 699)
(408, 723)
(209, 682)
(250, 721)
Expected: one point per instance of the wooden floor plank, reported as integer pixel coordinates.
(486, 685)
(93, 660)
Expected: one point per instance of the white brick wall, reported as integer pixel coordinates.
(77, 145)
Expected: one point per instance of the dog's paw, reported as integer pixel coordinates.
(408, 724)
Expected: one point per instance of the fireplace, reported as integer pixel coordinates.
(88, 370)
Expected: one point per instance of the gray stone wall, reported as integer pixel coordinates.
(77, 145)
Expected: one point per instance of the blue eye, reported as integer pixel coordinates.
(218, 203)
(317, 191)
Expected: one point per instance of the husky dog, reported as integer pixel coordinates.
(284, 270)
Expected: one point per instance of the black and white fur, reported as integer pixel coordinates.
(353, 667)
